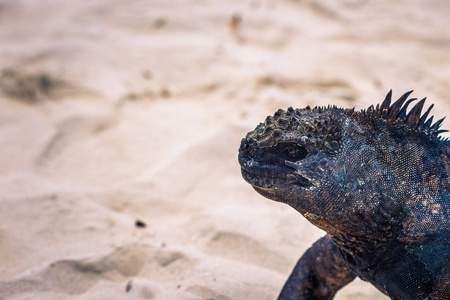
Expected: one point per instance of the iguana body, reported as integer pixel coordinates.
(376, 180)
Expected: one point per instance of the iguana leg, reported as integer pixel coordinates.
(319, 273)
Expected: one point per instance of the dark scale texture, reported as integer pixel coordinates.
(376, 180)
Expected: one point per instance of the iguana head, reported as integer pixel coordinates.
(328, 162)
(291, 155)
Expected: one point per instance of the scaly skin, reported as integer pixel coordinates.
(376, 180)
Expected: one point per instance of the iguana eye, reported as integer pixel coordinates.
(291, 151)
(295, 151)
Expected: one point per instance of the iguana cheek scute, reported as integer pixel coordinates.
(311, 170)
(376, 180)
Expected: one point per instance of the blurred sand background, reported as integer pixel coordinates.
(118, 111)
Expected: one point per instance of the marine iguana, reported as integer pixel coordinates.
(376, 180)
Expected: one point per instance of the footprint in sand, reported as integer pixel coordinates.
(38, 86)
(206, 293)
(240, 247)
(299, 86)
(134, 266)
(78, 276)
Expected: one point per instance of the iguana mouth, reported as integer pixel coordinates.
(267, 178)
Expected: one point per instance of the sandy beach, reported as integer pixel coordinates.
(120, 123)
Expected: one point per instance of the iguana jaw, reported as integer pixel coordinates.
(267, 177)
(275, 187)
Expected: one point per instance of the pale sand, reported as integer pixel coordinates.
(113, 111)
